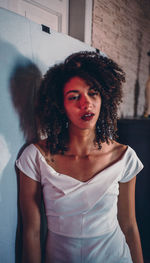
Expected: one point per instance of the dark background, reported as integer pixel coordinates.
(136, 133)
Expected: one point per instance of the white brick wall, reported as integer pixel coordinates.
(121, 29)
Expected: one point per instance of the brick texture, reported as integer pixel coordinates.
(121, 29)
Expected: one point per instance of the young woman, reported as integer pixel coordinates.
(87, 179)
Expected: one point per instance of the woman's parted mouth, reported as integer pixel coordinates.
(87, 116)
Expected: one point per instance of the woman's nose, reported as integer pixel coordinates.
(85, 103)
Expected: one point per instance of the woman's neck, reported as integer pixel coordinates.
(81, 142)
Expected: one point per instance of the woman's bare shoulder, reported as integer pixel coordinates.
(114, 149)
(119, 146)
(42, 147)
(114, 146)
(118, 149)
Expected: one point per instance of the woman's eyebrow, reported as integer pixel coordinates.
(70, 91)
(93, 88)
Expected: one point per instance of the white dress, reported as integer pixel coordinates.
(82, 216)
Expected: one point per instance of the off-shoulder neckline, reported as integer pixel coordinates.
(93, 177)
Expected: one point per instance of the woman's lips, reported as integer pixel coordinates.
(87, 116)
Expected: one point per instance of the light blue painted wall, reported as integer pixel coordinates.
(22, 43)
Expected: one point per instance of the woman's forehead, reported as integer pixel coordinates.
(76, 83)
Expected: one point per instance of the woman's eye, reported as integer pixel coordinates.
(73, 98)
(92, 94)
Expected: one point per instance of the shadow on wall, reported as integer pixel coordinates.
(19, 82)
(25, 80)
(24, 84)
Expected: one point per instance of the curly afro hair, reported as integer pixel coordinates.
(103, 74)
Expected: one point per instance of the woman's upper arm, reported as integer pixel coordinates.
(126, 204)
(30, 201)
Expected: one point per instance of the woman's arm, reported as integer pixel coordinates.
(127, 219)
(30, 204)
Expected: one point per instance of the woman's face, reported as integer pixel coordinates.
(82, 103)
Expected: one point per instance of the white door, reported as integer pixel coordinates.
(51, 13)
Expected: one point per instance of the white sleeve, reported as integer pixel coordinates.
(28, 162)
(133, 166)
